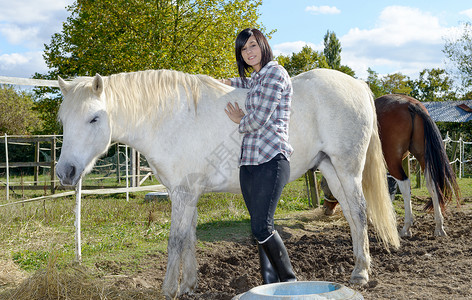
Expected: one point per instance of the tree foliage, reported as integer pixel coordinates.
(17, 116)
(308, 59)
(375, 83)
(305, 60)
(459, 52)
(114, 36)
(396, 83)
(332, 50)
(433, 85)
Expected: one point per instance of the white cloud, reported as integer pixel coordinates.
(17, 35)
(22, 64)
(323, 10)
(467, 13)
(31, 12)
(405, 39)
(399, 25)
(293, 47)
(25, 26)
(30, 23)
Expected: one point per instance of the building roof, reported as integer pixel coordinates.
(450, 111)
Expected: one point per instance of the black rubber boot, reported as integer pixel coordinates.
(268, 272)
(275, 249)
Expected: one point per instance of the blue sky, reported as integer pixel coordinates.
(387, 36)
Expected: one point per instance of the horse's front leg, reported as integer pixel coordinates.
(181, 245)
(405, 189)
(438, 217)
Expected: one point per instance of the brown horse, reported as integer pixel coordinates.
(406, 127)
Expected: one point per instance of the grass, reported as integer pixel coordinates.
(112, 228)
(116, 230)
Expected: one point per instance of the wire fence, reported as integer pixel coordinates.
(460, 153)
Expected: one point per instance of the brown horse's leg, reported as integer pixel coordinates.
(329, 207)
(329, 203)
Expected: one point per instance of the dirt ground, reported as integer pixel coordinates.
(425, 266)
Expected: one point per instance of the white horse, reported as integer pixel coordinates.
(177, 121)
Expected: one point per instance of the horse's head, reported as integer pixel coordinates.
(86, 127)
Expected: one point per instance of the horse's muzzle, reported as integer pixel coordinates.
(68, 175)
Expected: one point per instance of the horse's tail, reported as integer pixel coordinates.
(437, 164)
(374, 182)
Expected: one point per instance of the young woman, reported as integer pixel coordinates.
(265, 151)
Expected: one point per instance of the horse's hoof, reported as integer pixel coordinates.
(329, 212)
(187, 290)
(406, 233)
(440, 232)
(169, 293)
(357, 280)
(329, 208)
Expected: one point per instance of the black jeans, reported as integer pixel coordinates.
(261, 186)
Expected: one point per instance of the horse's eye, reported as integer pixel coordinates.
(95, 119)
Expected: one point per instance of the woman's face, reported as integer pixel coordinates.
(251, 53)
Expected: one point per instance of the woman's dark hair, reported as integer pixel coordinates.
(241, 40)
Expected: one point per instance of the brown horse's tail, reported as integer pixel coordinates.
(436, 162)
(374, 182)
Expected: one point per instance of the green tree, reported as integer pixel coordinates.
(396, 83)
(305, 60)
(113, 36)
(332, 50)
(17, 115)
(375, 83)
(432, 85)
(459, 52)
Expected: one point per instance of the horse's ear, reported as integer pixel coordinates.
(97, 85)
(64, 86)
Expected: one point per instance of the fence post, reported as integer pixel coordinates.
(36, 160)
(78, 241)
(53, 165)
(8, 170)
(406, 165)
(312, 189)
(127, 173)
(133, 167)
(454, 153)
(462, 149)
(418, 175)
(138, 169)
(118, 171)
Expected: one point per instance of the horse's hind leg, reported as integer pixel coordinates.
(438, 217)
(405, 189)
(348, 190)
(181, 245)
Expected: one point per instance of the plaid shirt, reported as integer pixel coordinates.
(265, 125)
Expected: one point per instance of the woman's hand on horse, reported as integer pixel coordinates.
(225, 81)
(234, 112)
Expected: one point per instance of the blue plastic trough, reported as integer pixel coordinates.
(300, 290)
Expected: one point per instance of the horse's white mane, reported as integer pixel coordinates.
(144, 92)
